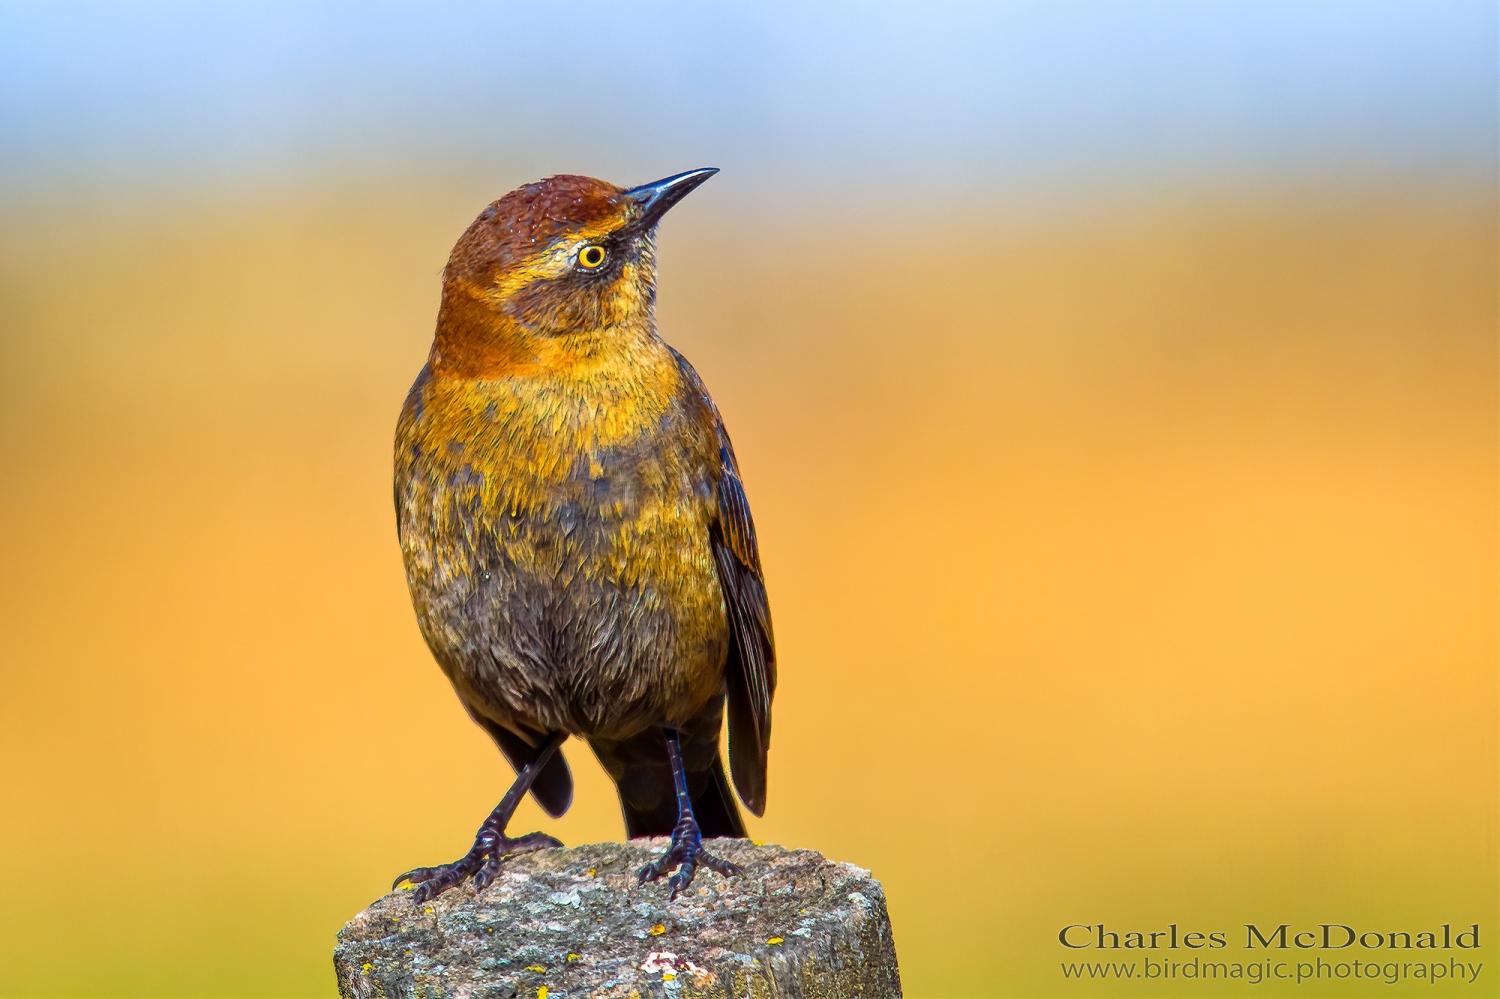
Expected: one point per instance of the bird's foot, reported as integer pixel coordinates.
(482, 861)
(686, 853)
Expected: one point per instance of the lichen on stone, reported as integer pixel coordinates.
(574, 923)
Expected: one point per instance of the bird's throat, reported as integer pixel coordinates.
(590, 388)
(474, 339)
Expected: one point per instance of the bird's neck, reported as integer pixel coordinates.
(474, 340)
(593, 387)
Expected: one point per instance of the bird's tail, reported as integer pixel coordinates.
(713, 806)
(643, 778)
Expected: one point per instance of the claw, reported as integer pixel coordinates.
(685, 854)
(415, 877)
(533, 841)
(491, 846)
(482, 861)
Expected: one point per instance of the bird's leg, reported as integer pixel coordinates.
(491, 845)
(686, 851)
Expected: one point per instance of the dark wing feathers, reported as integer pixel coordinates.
(751, 671)
(750, 681)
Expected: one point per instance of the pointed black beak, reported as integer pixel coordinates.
(655, 198)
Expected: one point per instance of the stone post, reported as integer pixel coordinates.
(573, 923)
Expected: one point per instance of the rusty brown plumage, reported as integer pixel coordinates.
(577, 540)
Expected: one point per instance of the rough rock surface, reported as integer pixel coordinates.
(573, 923)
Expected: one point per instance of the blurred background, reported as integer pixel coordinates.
(1115, 386)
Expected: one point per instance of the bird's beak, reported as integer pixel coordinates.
(655, 198)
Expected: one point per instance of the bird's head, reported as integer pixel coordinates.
(565, 258)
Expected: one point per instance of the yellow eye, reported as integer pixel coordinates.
(591, 257)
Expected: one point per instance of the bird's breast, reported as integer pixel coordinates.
(564, 522)
(600, 444)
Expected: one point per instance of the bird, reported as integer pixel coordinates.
(575, 532)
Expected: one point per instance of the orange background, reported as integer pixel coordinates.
(1132, 563)
(1138, 570)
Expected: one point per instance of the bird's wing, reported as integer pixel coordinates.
(553, 787)
(750, 675)
(411, 412)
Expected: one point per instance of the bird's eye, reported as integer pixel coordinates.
(591, 257)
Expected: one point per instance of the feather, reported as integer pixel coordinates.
(553, 787)
(750, 673)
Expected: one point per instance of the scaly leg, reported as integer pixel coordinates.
(491, 845)
(687, 840)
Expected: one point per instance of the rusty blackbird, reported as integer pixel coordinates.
(576, 536)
